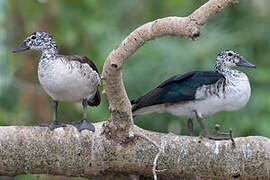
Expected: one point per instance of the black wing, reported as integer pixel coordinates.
(82, 59)
(176, 89)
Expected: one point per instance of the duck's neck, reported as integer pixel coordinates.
(222, 69)
(228, 73)
(51, 52)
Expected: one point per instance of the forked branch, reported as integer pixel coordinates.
(187, 27)
(65, 151)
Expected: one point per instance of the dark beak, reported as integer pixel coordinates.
(245, 63)
(22, 47)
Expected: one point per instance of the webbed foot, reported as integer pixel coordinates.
(84, 124)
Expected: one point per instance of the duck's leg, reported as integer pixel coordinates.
(206, 132)
(190, 127)
(55, 124)
(84, 124)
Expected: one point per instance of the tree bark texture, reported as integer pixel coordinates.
(118, 146)
(65, 151)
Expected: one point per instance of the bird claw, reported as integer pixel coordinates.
(226, 136)
(83, 124)
(217, 127)
(217, 138)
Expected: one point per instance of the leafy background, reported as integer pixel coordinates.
(95, 27)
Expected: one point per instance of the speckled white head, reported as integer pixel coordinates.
(38, 41)
(229, 59)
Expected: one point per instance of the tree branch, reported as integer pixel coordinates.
(121, 121)
(67, 152)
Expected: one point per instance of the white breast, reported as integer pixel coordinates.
(237, 92)
(229, 96)
(209, 99)
(68, 80)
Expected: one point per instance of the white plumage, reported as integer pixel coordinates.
(235, 96)
(68, 80)
(65, 78)
(209, 99)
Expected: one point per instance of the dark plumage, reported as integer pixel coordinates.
(82, 59)
(181, 87)
(95, 101)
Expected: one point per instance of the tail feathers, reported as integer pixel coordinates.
(134, 108)
(95, 101)
(134, 103)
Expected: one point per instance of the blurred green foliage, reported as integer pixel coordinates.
(95, 27)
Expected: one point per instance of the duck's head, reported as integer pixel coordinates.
(38, 41)
(230, 58)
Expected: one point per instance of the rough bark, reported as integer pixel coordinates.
(111, 151)
(120, 123)
(65, 151)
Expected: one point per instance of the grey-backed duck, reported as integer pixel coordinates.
(70, 78)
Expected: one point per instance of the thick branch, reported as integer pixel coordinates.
(188, 27)
(70, 153)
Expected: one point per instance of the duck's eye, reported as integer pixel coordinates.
(229, 54)
(33, 37)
